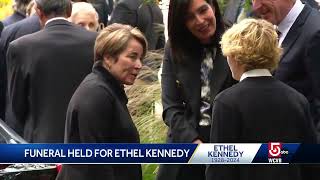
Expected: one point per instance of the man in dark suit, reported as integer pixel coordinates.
(10, 33)
(158, 26)
(299, 26)
(138, 13)
(44, 69)
(19, 12)
(103, 8)
(234, 8)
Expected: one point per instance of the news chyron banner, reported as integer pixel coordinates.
(266, 153)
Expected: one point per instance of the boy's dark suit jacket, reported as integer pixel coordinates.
(261, 110)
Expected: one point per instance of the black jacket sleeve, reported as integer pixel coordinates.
(312, 64)
(89, 116)
(17, 102)
(89, 120)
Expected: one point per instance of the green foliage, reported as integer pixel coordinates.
(149, 1)
(149, 171)
(145, 108)
(222, 5)
(247, 5)
(5, 2)
(143, 99)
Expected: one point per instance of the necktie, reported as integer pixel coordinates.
(279, 34)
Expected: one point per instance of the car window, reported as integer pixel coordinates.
(8, 135)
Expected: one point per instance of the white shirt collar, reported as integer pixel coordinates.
(255, 73)
(56, 18)
(288, 21)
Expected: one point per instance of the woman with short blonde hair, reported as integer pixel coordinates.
(111, 42)
(97, 112)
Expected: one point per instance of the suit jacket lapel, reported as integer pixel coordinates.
(219, 74)
(295, 30)
(195, 77)
(190, 77)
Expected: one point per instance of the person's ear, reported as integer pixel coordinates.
(108, 61)
(38, 11)
(69, 10)
(41, 15)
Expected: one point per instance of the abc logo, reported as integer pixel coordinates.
(274, 149)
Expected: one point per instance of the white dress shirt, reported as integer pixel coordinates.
(288, 21)
(56, 18)
(255, 73)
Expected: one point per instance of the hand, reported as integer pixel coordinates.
(197, 141)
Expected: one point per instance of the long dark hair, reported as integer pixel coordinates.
(183, 42)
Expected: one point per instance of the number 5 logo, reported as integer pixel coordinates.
(274, 149)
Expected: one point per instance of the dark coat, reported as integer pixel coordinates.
(98, 113)
(299, 65)
(104, 9)
(10, 33)
(158, 27)
(15, 17)
(181, 87)
(261, 110)
(231, 12)
(44, 70)
(312, 3)
(137, 14)
(1, 28)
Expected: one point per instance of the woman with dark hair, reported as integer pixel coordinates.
(194, 71)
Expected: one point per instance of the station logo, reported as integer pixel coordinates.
(275, 152)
